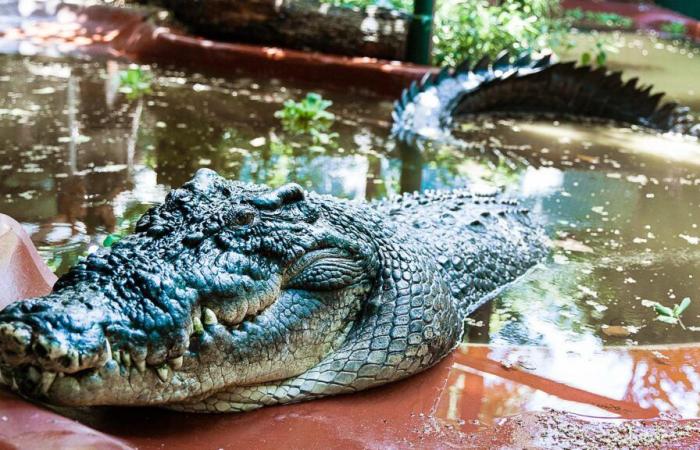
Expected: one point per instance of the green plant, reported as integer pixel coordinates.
(675, 29)
(405, 5)
(604, 19)
(55, 260)
(135, 82)
(671, 315)
(309, 113)
(471, 29)
(112, 239)
(599, 53)
(476, 28)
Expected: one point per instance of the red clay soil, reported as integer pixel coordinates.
(478, 397)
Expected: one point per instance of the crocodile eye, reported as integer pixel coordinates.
(245, 218)
(240, 217)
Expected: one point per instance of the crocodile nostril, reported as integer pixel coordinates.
(15, 338)
(41, 350)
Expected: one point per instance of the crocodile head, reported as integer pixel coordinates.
(225, 284)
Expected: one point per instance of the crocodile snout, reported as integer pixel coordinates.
(32, 338)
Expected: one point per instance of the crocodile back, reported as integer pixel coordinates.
(481, 242)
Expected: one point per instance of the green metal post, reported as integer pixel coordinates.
(420, 34)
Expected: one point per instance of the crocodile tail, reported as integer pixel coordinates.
(528, 84)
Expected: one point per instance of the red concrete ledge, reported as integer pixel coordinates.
(149, 44)
(129, 33)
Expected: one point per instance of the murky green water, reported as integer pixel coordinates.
(79, 160)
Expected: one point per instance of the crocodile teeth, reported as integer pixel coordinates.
(176, 363)
(47, 379)
(209, 317)
(140, 364)
(126, 359)
(14, 384)
(163, 372)
(198, 328)
(108, 351)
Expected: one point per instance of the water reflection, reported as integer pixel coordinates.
(487, 383)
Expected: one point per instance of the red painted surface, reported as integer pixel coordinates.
(22, 272)
(478, 397)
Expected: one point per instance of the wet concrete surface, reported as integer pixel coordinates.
(477, 397)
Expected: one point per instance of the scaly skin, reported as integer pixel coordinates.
(426, 111)
(232, 296)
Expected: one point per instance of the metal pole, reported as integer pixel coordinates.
(420, 33)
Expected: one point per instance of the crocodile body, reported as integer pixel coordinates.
(231, 296)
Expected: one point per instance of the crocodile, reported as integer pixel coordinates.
(232, 296)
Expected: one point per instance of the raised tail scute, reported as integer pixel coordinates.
(531, 84)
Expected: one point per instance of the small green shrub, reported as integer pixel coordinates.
(671, 315)
(605, 19)
(135, 82)
(598, 55)
(675, 29)
(311, 112)
(475, 28)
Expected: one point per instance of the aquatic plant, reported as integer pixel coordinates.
(671, 315)
(598, 55)
(135, 82)
(310, 112)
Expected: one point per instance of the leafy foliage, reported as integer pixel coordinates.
(598, 55)
(598, 18)
(476, 28)
(675, 29)
(311, 112)
(135, 82)
(671, 315)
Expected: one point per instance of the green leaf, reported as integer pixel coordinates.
(601, 58)
(678, 310)
(663, 310)
(112, 239)
(667, 319)
(585, 58)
